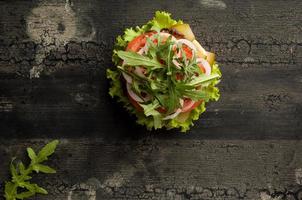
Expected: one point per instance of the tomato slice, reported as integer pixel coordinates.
(179, 76)
(187, 51)
(139, 42)
(187, 103)
(161, 110)
(201, 67)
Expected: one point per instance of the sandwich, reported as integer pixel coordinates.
(162, 74)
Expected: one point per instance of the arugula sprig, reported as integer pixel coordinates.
(135, 59)
(20, 187)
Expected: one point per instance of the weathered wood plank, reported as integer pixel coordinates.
(152, 168)
(53, 57)
(259, 51)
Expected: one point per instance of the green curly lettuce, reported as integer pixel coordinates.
(160, 21)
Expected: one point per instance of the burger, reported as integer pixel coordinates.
(162, 74)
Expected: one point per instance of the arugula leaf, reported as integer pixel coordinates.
(31, 153)
(203, 79)
(149, 109)
(135, 59)
(20, 173)
(196, 95)
(10, 191)
(43, 168)
(47, 150)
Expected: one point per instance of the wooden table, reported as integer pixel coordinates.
(53, 58)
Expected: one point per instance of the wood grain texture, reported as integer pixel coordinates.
(153, 168)
(53, 59)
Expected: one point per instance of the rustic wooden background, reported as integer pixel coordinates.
(53, 58)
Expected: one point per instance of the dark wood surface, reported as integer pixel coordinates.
(53, 59)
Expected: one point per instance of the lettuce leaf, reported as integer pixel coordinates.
(185, 126)
(161, 20)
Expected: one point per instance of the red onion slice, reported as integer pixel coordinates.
(135, 97)
(205, 65)
(132, 94)
(139, 71)
(143, 50)
(172, 116)
(188, 43)
(127, 77)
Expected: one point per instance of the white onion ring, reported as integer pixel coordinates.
(205, 65)
(188, 43)
(167, 35)
(127, 77)
(132, 94)
(172, 116)
(164, 35)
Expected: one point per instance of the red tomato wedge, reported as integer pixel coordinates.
(189, 105)
(201, 68)
(161, 110)
(139, 42)
(187, 51)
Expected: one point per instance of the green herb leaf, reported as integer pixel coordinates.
(21, 174)
(21, 168)
(13, 170)
(135, 59)
(29, 186)
(25, 195)
(203, 79)
(196, 95)
(43, 168)
(10, 191)
(40, 190)
(47, 151)
(31, 153)
(149, 109)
